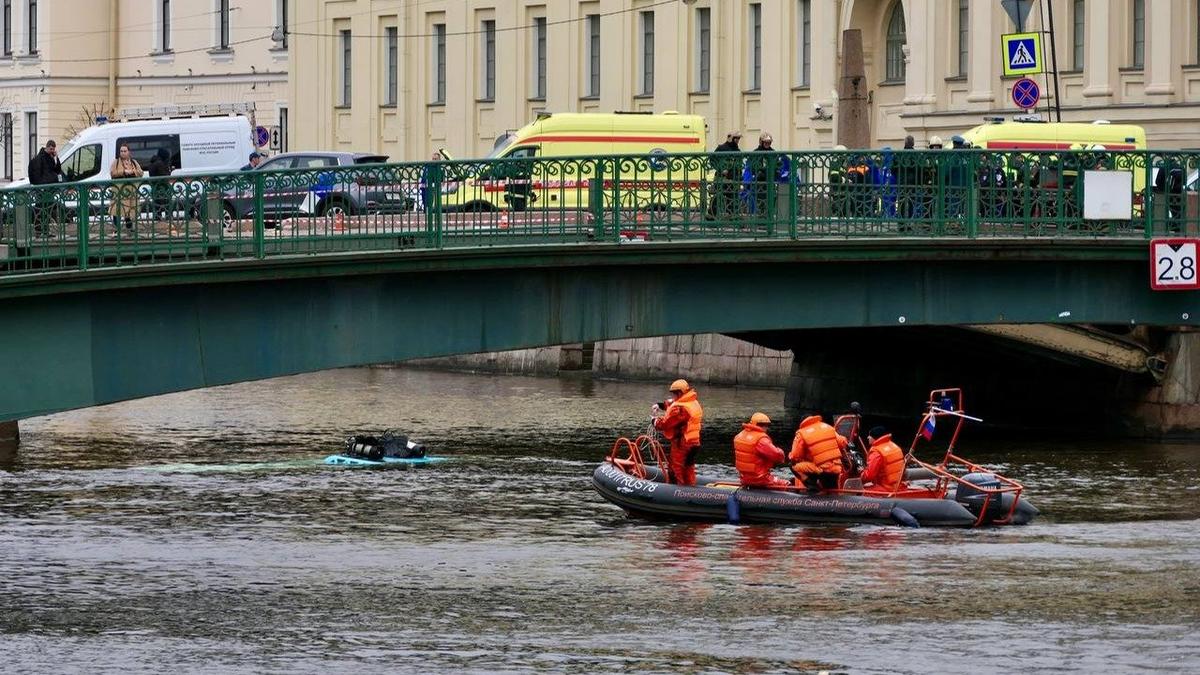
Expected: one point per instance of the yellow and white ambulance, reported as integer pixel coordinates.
(651, 176)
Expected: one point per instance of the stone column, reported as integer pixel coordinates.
(824, 53)
(460, 108)
(1160, 65)
(853, 119)
(776, 84)
(1172, 409)
(984, 47)
(920, 81)
(1099, 51)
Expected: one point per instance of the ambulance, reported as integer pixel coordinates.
(1032, 135)
(649, 179)
(1035, 135)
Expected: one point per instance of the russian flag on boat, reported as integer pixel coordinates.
(928, 427)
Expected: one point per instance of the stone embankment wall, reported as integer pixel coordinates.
(709, 358)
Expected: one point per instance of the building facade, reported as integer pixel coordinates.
(63, 63)
(404, 78)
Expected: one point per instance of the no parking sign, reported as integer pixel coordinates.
(1026, 93)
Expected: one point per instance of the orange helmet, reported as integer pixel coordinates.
(760, 419)
(680, 386)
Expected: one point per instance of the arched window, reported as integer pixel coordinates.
(895, 44)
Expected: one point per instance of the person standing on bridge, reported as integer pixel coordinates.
(124, 204)
(44, 169)
(754, 455)
(681, 425)
(728, 172)
(816, 456)
(885, 463)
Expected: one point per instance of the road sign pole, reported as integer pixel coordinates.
(1054, 59)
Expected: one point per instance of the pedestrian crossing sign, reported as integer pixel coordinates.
(1022, 53)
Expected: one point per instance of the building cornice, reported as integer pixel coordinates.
(230, 78)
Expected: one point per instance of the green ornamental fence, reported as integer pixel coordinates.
(602, 200)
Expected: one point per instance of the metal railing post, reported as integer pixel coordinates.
(82, 217)
(260, 228)
(596, 200)
(971, 198)
(793, 194)
(435, 223)
(1148, 198)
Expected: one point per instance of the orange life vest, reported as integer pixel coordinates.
(689, 402)
(893, 463)
(753, 468)
(822, 442)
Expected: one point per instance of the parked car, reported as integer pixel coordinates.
(321, 191)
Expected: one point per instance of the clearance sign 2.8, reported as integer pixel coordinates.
(1173, 264)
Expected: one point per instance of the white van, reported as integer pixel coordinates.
(195, 145)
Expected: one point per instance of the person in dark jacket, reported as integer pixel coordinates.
(44, 169)
(728, 174)
(256, 158)
(158, 167)
(764, 173)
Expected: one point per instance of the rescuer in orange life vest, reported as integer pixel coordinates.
(681, 426)
(755, 455)
(885, 463)
(816, 455)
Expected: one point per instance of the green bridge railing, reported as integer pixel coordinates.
(615, 199)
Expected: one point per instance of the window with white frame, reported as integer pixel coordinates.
(539, 57)
(439, 63)
(222, 24)
(896, 39)
(391, 66)
(488, 65)
(1077, 34)
(163, 43)
(281, 22)
(593, 73)
(647, 84)
(346, 41)
(703, 49)
(804, 24)
(964, 37)
(1139, 34)
(755, 27)
(283, 129)
(31, 135)
(8, 28)
(31, 22)
(6, 138)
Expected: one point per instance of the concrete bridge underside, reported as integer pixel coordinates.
(77, 340)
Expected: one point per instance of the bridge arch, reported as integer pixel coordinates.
(83, 339)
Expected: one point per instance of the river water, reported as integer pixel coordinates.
(197, 532)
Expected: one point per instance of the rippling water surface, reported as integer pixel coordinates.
(199, 531)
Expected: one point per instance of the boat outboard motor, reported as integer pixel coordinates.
(366, 447)
(973, 498)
